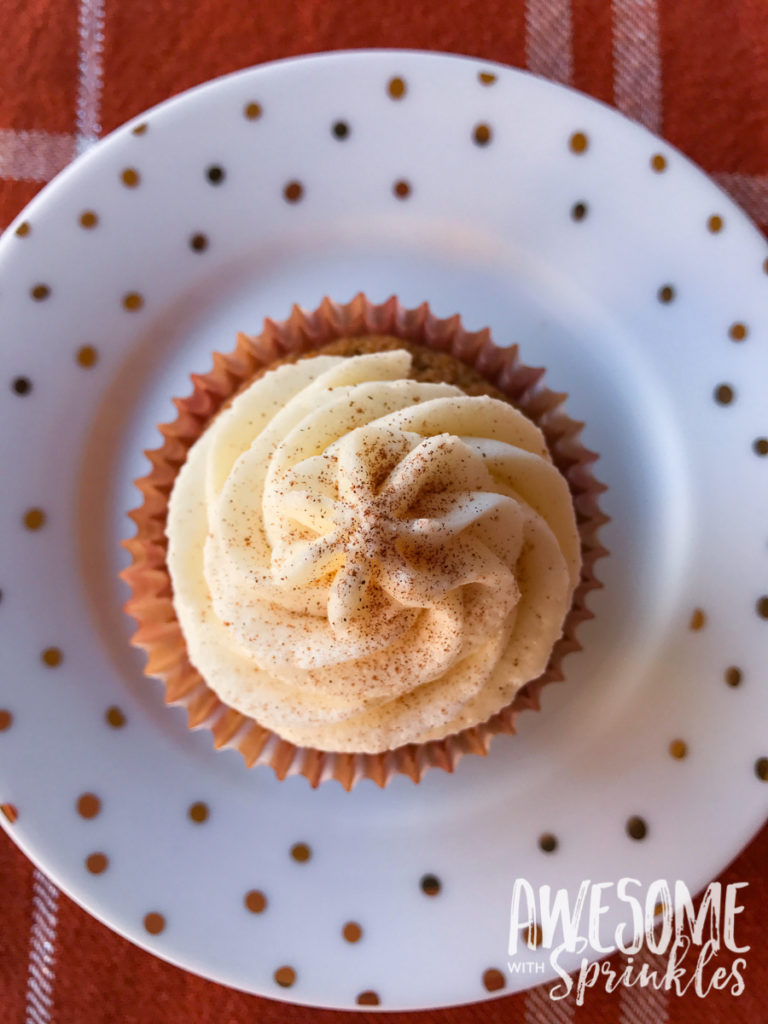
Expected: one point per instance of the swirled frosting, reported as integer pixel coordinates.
(361, 560)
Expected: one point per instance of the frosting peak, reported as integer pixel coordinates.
(361, 560)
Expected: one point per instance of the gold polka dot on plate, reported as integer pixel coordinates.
(430, 885)
(578, 143)
(698, 620)
(760, 446)
(534, 937)
(301, 852)
(285, 976)
(23, 229)
(636, 827)
(198, 812)
(738, 332)
(401, 189)
(396, 87)
(88, 805)
(658, 163)
(40, 292)
(154, 922)
(87, 356)
(724, 394)
(34, 519)
(678, 749)
(133, 301)
(52, 657)
(733, 676)
(482, 134)
(97, 863)
(293, 191)
(547, 843)
(255, 901)
(715, 224)
(368, 998)
(9, 812)
(666, 293)
(253, 111)
(493, 979)
(114, 717)
(130, 177)
(140, 129)
(6, 720)
(486, 77)
(352, 931)
(579, 211)
(762, 607)
(761, 768)
(88, 219)
(198, 242)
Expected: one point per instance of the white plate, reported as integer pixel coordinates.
(488, 231)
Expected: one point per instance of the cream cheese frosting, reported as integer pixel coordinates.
(360, 560)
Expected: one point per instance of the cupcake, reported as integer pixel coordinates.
(365, 544)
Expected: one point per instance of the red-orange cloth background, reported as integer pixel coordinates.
(695, 70)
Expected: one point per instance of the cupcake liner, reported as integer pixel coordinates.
(151, 604)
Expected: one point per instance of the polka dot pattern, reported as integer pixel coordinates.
(368, 998)
(10, 813)
(154, 923)
(133, 301)
(130, 177)
(86, 356)
(88, 805)
(698, 620)
(482, 134)
(733, 676)
(97, 863)
(430, 885)
(678, 749)
(285, 976)
(34, 519)
(114, 718)
(198, 812)
(397, 87)
(255, 901)
(493, 980)
(52, 657)
(637, 827)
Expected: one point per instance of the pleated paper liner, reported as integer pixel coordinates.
(151, 604)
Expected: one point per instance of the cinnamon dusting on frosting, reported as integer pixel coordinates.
(361, 560)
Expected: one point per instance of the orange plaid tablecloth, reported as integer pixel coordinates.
(695, 71)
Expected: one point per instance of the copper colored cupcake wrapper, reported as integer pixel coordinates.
(151, 604)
